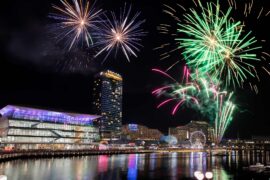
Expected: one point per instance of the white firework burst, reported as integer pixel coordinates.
(122, 33)
(75, 21)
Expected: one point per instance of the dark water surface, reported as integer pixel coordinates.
(137, 166)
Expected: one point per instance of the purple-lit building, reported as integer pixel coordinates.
(30, 128)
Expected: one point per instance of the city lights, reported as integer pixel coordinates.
(200, 175)
(194, 105)
(209, 175)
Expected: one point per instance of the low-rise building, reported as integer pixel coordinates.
(139, 132)
(31, 128)
(183, 133)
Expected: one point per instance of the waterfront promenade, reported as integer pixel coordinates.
(5, 156)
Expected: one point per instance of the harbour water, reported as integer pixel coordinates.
(138, 166)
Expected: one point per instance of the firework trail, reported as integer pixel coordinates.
(75, 21)
(224, 116)
(199, 94)
(176, 92)
(202, 95)
(121, 33)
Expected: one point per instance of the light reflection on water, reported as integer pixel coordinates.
(135, 166)
(132, 166)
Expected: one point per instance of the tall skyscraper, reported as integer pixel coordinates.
(107, 102)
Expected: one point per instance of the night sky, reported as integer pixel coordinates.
(36, 72)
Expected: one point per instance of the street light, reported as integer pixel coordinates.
(199, 175)
(209, 175)
(196, 173)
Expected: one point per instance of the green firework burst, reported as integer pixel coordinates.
(215, 44)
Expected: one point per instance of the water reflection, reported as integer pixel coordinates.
(132, 166)
(152, 161)
(173, 166)
(103, 163)
(135, 166)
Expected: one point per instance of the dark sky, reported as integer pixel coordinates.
(36, 72)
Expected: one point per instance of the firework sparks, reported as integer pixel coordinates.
(260, 13)
(75, 21)
(169, 30)
(217, 45)
(121, 32)
(213, 42)
(223, 117)
(268, 72)
(219, 51)
(200, 94)
(176, 92)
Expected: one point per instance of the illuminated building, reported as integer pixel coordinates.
(139, 132)
(182, 133)
(107, 102)
(29, 128)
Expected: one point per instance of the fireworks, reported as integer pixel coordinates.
(217, 45)
(122, 33)
(201, 94)
(220, 52)
(212, 40)
(224, 116)
(75, 22)
(176, 92)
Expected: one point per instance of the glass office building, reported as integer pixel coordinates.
(29, 128)
(108, 103)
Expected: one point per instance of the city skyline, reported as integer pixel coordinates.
(33, 77)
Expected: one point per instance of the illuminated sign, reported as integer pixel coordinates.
(133, 127)
(112, 75)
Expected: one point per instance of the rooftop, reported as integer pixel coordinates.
(199, 122)
(111, 75)
(27, 113)
(191, 123)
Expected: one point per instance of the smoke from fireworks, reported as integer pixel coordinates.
(75, 22)
(121, 33)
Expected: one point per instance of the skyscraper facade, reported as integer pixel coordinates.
(107, 102)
